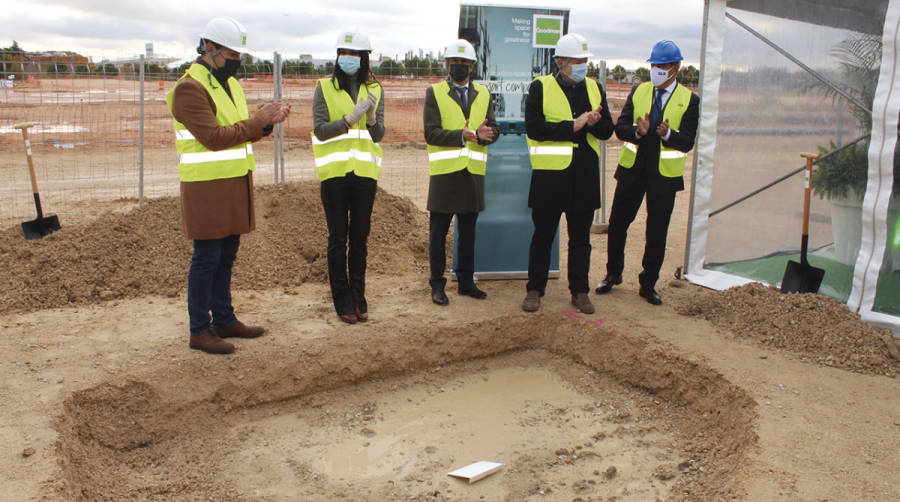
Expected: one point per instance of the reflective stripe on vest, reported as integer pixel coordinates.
(557, 155)
(195, 161)
(449, 159)
(671, 161)
(354, 150)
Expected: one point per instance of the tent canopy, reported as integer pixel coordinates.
(865, 16)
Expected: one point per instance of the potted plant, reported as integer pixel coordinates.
(842, 177)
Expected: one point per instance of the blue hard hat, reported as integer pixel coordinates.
(665, 51)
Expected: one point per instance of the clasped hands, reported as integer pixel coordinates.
(366, 108)
(588, 118)
(272, 112)
(483, 133)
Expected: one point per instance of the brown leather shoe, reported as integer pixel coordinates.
(532, 301)
(237, 329)
(361, 316)
(348, 318)
(583, 303)
(210, 343)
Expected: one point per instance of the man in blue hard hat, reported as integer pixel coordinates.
(657, 125)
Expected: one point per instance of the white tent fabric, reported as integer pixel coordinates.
(879, 191)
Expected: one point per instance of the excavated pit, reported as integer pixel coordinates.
(574, 411)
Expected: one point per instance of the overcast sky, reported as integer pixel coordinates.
(619, 31)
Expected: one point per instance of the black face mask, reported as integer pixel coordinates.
(459, 72)
(229, 69)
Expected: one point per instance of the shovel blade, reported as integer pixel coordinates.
(39, 227)
(801, 278)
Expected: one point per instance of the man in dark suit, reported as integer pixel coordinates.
(657, 125)
(566, 115)
(459, 125)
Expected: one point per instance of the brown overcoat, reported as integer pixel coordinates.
(217, 208)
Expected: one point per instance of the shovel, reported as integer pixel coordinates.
(801, 277)
(42, 225)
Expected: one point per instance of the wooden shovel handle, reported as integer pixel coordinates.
(24, 128)
(806, 192)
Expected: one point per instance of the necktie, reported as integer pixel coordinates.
(656, 109)
(462, 95)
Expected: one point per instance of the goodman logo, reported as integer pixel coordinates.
(547, 31)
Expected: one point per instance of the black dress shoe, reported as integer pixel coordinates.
(439, 297)
(607, 284)
(650, 295)
(471, 290)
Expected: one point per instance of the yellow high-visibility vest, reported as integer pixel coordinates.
(354, 150)
(671, 161)
(195, 161)
(472, 156)
(557, 155)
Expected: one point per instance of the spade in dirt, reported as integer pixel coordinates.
(802, 277)
(42, 225)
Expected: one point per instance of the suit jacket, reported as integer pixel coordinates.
(461, 191)
(647, 161)
(577, 187)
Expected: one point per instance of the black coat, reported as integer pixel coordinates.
(577, 187)
(461, 191)
(647, 161)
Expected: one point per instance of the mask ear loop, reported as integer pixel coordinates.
(211, 55)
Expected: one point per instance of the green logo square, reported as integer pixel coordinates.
(244, 40)
(461, 49)
(584, 47)
(348, 39)
(547, 30)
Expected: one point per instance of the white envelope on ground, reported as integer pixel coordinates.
(476, 471)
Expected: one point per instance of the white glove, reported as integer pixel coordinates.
(358, 111)
(370, 115)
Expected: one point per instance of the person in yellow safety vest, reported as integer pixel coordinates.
(657, 125)
(348, 122)
(459, 125)
(213, 135)
(565, 116)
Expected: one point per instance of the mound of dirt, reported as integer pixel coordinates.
(144, 252)
(817, 328)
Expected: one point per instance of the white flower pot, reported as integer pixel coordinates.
(846, 227)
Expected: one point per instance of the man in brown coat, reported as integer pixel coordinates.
(213, 132)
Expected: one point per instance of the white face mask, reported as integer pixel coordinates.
(658, 76)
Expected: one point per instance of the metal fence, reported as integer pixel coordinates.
(104, 141)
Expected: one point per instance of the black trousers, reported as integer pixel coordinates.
(545, 225)
(348, 209)
(626, 202)
(439, 225)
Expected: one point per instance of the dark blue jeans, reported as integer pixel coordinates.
(209, 283)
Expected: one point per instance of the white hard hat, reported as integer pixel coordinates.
(460, 49)
(226, 32)
(353, 40)
(572, 45)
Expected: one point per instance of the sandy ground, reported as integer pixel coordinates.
(738, 395)
(103, 399)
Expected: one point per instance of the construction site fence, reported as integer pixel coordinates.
(106, 142)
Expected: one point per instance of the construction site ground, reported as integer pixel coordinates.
(738, 395)
(745, 394)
